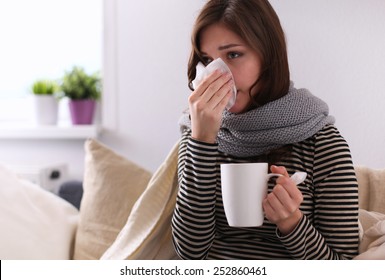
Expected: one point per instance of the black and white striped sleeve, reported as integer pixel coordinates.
(193, 222)
(333, 232)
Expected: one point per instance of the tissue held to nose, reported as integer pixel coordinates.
(202, 72)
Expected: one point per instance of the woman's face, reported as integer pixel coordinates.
(245, 64)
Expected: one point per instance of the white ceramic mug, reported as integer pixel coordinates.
(244, 186)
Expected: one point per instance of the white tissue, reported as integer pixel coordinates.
(202, 72)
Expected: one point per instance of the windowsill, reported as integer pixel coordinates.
(20, 131)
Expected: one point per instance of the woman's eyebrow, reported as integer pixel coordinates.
(224, 47)
(221, 48)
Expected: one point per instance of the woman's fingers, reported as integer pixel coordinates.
(220, 99)
(201, 88)
(207, 104)
(285, 198)
(280, 170)
(283, 202)
(214, 87)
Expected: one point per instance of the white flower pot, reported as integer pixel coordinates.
(46, 109)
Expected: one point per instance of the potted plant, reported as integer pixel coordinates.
(83, 90)
(46, 101)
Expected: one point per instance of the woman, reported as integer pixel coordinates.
(273, 122)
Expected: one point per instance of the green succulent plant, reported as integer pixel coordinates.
(45, 87)
(77, 84)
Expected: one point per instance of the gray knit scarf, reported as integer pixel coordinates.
(293, 118)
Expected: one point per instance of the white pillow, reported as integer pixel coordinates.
(35, 224)
(372, 241)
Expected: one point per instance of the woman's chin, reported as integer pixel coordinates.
(235, 109)
(238, 108)
(241, 105)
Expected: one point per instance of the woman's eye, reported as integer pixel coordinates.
(233, 55)
(206, 60)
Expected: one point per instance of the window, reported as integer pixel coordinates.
(43, 39)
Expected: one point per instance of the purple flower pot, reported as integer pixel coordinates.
(82, 111)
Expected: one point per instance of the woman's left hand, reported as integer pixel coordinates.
(281, 206)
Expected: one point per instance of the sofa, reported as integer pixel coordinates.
(123, 211)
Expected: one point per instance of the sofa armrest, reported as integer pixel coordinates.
(72, 191)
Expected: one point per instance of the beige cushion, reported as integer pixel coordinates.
(372, 235)
(147, 233)
(112, 184)
(371, 189)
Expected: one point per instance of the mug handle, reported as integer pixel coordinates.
(297, 177)
(271, 175)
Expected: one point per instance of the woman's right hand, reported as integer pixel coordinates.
(207, 103)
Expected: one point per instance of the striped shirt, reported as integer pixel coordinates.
(327, 230)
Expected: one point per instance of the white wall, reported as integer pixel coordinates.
(336, 49)
(152, 50)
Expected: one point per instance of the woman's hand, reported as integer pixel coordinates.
(281, 206)
(207, 104)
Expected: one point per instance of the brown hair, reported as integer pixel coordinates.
(256, 22)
